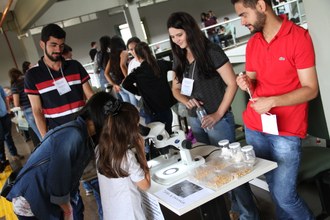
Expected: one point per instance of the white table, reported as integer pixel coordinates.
(262, 166)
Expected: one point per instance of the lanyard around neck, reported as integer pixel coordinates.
(50, 73)
(193, 71)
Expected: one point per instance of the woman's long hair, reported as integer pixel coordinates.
(104, 51)
(120, 132)
(15, 75)
(197, 42)
(117, 45)
(143, 51)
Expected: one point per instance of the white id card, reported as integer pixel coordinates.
(269, 123)
(62, 86)
(187, 86)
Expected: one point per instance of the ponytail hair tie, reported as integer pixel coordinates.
(112, 107)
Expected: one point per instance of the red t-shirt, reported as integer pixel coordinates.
(275, 64)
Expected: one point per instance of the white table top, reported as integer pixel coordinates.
(261, 167)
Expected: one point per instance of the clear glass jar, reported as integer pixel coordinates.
(249, 155)
(223, 143)
(201, 112)
(236, 153)
(225, 152)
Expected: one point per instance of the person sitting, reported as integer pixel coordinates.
(226, 33)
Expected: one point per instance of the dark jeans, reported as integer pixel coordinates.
(77, 206)
(165, 117)
(5, 136)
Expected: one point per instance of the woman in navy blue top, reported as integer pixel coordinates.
(47, 191)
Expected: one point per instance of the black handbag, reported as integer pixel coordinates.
(15, 176)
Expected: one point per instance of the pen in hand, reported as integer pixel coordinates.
(247, 88)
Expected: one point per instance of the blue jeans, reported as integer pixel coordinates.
(128, 97)
(124, 95)
(32, 123)
(241, 196)
(282, 182)
(5, 136)
(214, 38)
(77, 205)
(223, 129)
(165, 117)
(103, 80)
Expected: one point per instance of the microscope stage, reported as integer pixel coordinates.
(175, 172)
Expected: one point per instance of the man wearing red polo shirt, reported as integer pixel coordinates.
(281, 77)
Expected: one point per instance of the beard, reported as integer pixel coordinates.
(259, 25)
(54, 59)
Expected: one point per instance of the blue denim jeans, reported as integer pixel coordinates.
(241, 197)
(77, 206)
(128, 97)
(32, 123)
(282, 182)
(5, 137)
(223, 129)
(103, 80)
(165, 117)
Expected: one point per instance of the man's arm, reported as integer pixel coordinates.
(38, 114)
(87, 90)
(308, 91)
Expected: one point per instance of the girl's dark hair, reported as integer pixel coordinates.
(104, 53)
(197, 42)
(94, 111)
(251, 3)
(25, 66)
(120, 132)
(143, 51)
(133, 39)
(14, 75)
(117, 45)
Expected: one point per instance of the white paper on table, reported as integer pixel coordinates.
(183, 193)
(151, 207)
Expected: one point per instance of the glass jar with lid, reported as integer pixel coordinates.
(249, 155)
(225, 152)
(236, 153)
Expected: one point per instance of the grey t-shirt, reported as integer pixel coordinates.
(208, 90)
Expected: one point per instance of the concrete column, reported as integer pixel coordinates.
(134, 21)
(30, 49)
(318, 16)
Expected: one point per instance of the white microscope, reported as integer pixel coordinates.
(171, 167)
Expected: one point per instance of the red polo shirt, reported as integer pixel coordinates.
(276, 64)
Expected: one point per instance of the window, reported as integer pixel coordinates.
(126, 34)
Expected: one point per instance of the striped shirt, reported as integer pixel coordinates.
(18, 88)
(58, 109)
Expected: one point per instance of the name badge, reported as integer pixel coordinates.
(187, 86)
(269, 123)
(62, 86)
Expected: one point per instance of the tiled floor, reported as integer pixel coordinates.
(307, 191)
